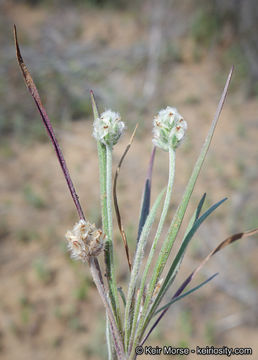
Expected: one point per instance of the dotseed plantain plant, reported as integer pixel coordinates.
(131, 319)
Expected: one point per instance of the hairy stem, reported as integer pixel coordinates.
(154, 245)
(108, 338)
(109, 245)
(115, 332)
(179, 215)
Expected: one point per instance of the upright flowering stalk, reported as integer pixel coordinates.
(148, 309)
(107, 129)
(168, 131)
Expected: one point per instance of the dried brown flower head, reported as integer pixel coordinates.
(85, 240)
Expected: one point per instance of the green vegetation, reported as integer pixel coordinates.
(205, 28)
(33, 198)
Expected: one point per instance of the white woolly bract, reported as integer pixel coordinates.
(108, 128)
(169, 128)
(84, 240)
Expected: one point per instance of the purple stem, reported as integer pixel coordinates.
(34, 92)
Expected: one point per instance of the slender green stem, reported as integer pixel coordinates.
(154, 244)
(108, 338)
(115, 331)
(171, 275)
(103, 191)
(136, 267)
(109, 192)
(178, 218)
(103, 197)
(179, 215)
(109, 244)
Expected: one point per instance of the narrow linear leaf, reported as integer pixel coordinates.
(120, 290)
(94, 105)
(222, 245)
(198, 211)
(180, 212)
(165, 308)
(171, 276)
(185, 294)
(139, 316)
(118, 216)
(195, 216)
(174, 268)
(34, 93)
(180, 254)
(145, 208)
(138, 261)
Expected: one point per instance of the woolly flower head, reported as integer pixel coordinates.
(84, 241)
(108, 128)
(169, 128)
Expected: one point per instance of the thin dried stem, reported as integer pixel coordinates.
(118, 216)
(34, 92)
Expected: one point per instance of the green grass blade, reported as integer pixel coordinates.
(171, 275)
(178, 218)
(163, 216)
(137, 262)
(177, 298)
(165, 308)
(164, 287)
(145, 208)
(120, 290)
(195, 216)
(179, 256)
(198, 210)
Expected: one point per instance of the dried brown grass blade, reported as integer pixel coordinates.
(118, 216)
(221, 246)
(34, 92)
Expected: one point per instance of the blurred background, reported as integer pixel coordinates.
(137, 56)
